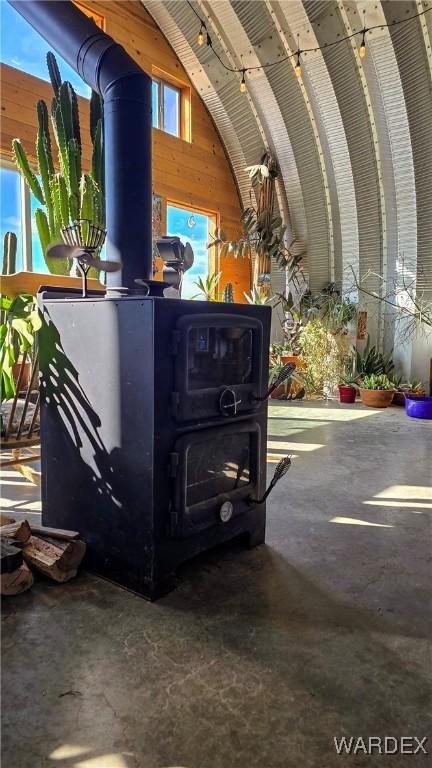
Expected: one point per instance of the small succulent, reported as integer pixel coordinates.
(377, 381)
(348, 380)
(415, 387)
(397, 381)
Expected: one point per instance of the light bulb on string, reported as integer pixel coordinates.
(200, 38)
(297, 68)
(243, 82)
(362, 49)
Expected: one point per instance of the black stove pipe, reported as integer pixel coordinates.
(126, 90)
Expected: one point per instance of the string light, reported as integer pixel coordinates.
(362, 49)
(297, 68)
(298, 52)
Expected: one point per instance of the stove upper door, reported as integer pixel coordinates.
(218, 365)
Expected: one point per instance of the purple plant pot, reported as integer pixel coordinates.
(418, 406)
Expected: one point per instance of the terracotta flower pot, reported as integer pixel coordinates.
(278, 392)
(376, 398)
(16, 368)
(347, 393)
(293, 359)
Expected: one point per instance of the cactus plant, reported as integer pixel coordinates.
(64, 192)
(228, 295)
(9, 253)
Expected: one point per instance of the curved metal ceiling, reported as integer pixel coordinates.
(353, 138)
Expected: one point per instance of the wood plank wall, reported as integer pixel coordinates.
(195, 173)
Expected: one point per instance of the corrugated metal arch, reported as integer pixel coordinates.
(291, 19)
(373, 121)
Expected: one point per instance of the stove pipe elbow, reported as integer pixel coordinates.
(126, 91)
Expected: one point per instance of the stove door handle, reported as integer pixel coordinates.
(281, 469)
(284, 374)
(231, 403)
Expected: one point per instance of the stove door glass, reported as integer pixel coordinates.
(219, 356)
(218, 466)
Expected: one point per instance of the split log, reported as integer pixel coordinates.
(19, 531)
(11, 557)
(57, 559)
(18, 581)
(54, 533)
(5, 520)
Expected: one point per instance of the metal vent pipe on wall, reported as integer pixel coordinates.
(126, 91)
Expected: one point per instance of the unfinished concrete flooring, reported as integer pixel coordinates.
(259, 658)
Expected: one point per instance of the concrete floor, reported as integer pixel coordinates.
(259, 658)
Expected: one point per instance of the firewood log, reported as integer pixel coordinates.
(5, 520)
(19, 531)
(18, 581)
(57, 559)
(11, 556)
(54, 533)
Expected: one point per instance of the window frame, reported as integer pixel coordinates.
(184, 90)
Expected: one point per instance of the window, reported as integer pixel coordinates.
(17, 207)
(193, 227)
(25, 49)
(10, 209)
(166, 103)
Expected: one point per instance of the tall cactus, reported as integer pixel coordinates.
(228, 295)
(9, 253)
(60, 186)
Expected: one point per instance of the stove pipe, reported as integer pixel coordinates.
(126, 90)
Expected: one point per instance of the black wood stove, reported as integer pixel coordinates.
(153, 445)
(153, 410)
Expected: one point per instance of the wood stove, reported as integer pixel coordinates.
(153, 443)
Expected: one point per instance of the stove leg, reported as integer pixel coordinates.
(256, 536)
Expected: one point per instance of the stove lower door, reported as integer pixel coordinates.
(215, 472)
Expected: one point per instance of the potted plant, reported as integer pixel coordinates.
(347, 389)
(20, 323)
(413, 388)
(376, 390)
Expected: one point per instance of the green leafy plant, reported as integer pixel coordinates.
(17, 335)
(348, 380)
(263, 232)
(208, 287)
(372, 361)
(397, 381)
(59, 185)
(414, 387)
(377, 381)
(320, 354)
(255, 297)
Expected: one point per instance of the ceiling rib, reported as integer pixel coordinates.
(319, 149)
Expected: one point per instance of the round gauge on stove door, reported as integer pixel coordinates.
(226, 511)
